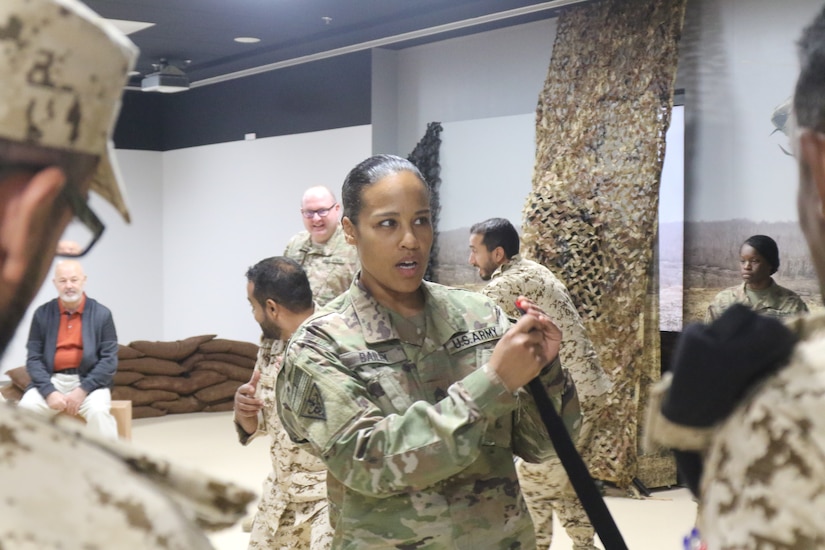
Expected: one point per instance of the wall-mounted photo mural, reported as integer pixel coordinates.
(715, 255)
(477, 186)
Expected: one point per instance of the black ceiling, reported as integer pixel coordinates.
(202, 32)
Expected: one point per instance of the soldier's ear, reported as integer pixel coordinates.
(498, 255)
(271, 307)
(349, 230)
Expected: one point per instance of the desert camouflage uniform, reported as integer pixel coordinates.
(292, 513)
(774, 301)
(546, 486)
(329, 266)
(418, 438)
(63, 489)
(763, 485)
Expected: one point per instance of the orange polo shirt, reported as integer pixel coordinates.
(69, 350)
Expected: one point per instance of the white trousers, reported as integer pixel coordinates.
(95, 409)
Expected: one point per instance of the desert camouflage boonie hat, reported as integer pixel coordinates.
(62, 72)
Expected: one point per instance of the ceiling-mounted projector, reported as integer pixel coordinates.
(167, 79)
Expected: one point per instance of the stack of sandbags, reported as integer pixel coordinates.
(13, 391)
(200, 373)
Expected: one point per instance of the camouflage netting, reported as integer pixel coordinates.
(592, 213)
(425, 156)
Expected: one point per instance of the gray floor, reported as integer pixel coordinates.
(208, 442)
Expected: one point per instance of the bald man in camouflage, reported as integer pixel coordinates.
(494, 251)
(329, 261)
(63, 69)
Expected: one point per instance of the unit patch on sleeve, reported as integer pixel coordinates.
(313, 406)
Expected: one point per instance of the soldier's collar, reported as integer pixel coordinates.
(377, 327)
(507, 265)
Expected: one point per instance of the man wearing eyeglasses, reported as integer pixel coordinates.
(72, 355)
(330, 263)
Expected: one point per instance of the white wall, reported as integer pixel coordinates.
(493, 74)
(486, 169)
(227, 206)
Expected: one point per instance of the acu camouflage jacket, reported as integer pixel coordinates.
(329, 267)
(774, 301)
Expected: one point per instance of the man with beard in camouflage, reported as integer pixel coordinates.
(292, 513)
(494, 251)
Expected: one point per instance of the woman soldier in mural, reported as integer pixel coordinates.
(758, 260)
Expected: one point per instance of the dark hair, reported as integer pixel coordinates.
(767, 249)
(281, 280)
(497, 232)
(368, 172)
(809, 94)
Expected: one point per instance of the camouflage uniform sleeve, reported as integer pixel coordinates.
(720, 303)
(578, 356)
(373, 452)
(344, 273)
(796, 305)
(291, 246)
(763, 477)
(530, 438)
(268, 352)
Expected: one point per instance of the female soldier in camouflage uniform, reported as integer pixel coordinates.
(412, 393)
(758, 260)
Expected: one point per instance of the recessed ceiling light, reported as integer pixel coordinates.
(247, 39)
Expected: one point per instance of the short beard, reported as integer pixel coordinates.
(271, 330)
(72, 300)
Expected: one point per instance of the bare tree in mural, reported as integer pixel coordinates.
(426, 157)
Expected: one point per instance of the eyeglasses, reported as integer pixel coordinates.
(64, 281)
(84, 230)
(323, 212)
